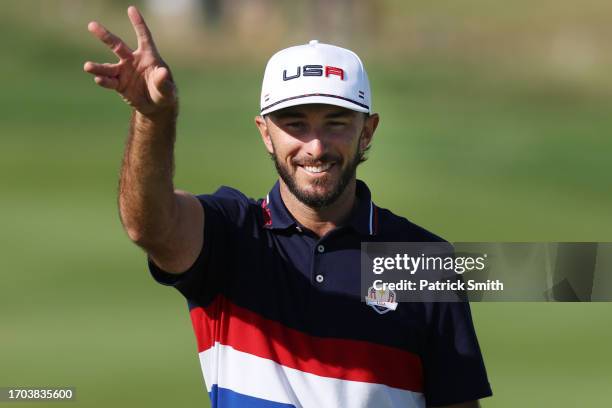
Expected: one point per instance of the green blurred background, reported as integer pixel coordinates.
(495, 126)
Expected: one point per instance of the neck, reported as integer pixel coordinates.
(321, 220)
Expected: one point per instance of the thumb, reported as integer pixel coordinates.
(162, 83)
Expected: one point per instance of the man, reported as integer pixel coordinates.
(273, 286)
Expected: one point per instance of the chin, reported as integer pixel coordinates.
(322, 186)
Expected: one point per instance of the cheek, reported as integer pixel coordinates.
(351, 143)
(284, 149)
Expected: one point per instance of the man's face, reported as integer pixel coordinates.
(316, 149)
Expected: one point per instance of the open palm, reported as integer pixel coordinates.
(141, 77)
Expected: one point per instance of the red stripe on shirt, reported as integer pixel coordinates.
(354, 360)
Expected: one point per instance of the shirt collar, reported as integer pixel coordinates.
(364, 218)
(276, 215)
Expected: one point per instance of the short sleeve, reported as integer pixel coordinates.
(452, 362)
(225, 212)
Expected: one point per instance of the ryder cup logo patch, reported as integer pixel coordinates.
(382, 301)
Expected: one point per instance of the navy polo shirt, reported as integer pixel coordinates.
(280, 322)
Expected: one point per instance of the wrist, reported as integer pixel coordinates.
(160, 114)
(160, 123)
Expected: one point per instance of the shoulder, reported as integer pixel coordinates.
(229, 203)
(225, 193)
(394, 227)
(227, 196)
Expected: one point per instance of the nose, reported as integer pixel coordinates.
(315, 145)
(315, 148)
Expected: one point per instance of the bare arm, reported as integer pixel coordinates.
(167, 223)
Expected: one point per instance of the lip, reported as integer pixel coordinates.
(318, 173)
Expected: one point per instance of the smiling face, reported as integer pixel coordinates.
(316, 149)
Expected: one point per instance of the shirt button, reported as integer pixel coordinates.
(321, 249)
(298, 228)
(319, 278)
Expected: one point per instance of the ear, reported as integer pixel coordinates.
(369, 127)
(262, 126)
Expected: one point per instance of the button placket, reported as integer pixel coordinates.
(320, 249)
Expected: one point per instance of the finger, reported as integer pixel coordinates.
(143, 34)
(109, 70)
(107, 82)
(114, 43)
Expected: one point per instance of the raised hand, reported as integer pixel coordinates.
(141, 77)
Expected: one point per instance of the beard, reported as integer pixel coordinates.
(332, 190)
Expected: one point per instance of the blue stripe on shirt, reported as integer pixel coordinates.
(226, 398)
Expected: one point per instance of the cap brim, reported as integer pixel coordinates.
(322, 99)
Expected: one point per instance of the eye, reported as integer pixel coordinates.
(336, 124)
(294, 125)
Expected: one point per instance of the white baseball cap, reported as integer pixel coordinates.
(315, 73)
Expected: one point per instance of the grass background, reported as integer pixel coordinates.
(481, 138)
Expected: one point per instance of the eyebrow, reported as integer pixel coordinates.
(339, 114)
(288, 114)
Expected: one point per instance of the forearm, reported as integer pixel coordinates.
(147, 203)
